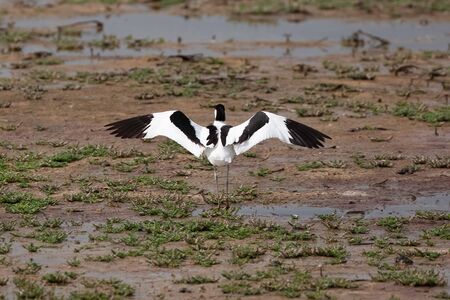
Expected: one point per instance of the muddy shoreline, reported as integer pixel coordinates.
(84, 215)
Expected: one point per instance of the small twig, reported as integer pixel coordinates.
(188, 57)
(277, 170)
(356, 129)
(380, 183)
(377, 139)
(267, 156)
(383, 42)
(98, 24)
(404, 69)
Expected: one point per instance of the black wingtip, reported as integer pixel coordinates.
(130, 128)
(305, 136)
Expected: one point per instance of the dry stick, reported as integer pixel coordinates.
(277, 170)
(436, 72)
(356, 129)
(188, 57)
(404, 68)
(383, 42)
(377, 139)
(202, 194)
(98, 24)
(380, 183)
(266, 157)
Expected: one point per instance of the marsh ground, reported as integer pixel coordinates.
(87, 216)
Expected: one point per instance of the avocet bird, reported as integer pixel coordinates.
(220, 143)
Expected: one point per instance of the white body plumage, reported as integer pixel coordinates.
(220, 155)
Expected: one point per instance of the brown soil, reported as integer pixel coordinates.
(77, 117)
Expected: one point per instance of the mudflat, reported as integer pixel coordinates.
(84, 215)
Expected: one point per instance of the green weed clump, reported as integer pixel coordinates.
(27, 289)
(59, 278)
(412, 277)
(167, 258)
(393, 8)
(392, 224)
(168, 206)
(109, 42)
(30, 268)
(196, 279)
(62, 159)
(442, 232)
(240, 288)
(428, 254)
(165, 184)
(310, 166)
(331, 221)
(261, 172)
(24, 203)
(270, 281)
(246, 253)
(433, 215)
(439, 162)
(294, 250)
(8, 176)
(418, 111)
(165, 3)
(104, 289)
(359, 227)
(88, 295)
(14, 36)
(5, 248)
(69, 44)
(205, 258)
(51, 236)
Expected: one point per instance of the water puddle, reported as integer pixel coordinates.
(82, 233)
(446, 273)
(31, 3)
(438, 202)
(303, 212)
(82, 61)
(5, 72)
(218, 35)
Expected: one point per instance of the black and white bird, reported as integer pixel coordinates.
(219, 142)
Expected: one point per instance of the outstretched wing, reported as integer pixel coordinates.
(265, 125)
(172, 124)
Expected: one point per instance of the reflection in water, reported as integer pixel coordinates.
(439, 202)
(197, 34)
(5, 72)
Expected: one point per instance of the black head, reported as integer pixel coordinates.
(219, 112)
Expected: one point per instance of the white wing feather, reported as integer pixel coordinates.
(275, 128)
(161, 125)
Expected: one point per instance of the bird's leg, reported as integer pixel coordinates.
(216, 178)
(228, 198)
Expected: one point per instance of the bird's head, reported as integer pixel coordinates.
(219, 112)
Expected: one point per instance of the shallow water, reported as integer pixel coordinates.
(437, 202)
(5, 72)
(199, 33)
